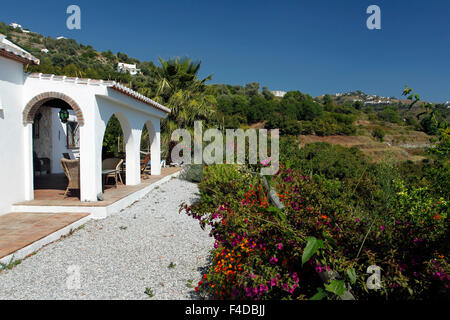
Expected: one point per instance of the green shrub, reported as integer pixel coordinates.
(260, 251)
(378, 133)
(389, 114)
(353, 212)
(193, 173)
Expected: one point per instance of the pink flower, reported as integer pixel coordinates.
(273, 260)
(280, 246)
(273, 282)
(266, 162)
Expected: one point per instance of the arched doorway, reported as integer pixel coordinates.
(33, 105)
(115, 147)
(55, 121)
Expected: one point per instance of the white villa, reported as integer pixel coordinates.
(125, 67)
(15, 25)
(32, 125)
(278, 93)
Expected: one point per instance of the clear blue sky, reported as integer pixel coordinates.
(314, 46)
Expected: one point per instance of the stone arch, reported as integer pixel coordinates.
(34, 104)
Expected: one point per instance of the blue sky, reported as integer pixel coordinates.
(314, 46)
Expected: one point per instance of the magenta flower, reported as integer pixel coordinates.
(266, 162)
(263, 288)
(280, 246)
(273, 260)
(273, 282)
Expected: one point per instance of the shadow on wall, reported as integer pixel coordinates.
(2, 115)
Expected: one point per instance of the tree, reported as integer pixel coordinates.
(432, 121)
(267, 94)
(389, 114)
(328, 102)
(252, 89)
(178, 74)
(378, 133)
(113, 138)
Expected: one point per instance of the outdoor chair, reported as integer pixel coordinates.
(40, 164)
(144, 164)
(111, 169)
(66, 155)
(72, 170)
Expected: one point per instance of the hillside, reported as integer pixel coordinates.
(380, 126)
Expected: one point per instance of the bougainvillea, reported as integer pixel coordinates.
(259, 248)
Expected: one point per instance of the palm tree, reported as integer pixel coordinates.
(178, 87)
(178, 74)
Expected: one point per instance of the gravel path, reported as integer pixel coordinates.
(119, 257)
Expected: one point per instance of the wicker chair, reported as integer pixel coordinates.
(72, 170)
(111, 167)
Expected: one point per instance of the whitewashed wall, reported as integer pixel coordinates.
(12, 135)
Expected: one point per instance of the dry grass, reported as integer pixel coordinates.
(377, 151)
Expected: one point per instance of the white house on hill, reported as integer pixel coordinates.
(125, 67)
(15, 25)
(34, 126)
(278, 93)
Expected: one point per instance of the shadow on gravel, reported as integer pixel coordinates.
(203, 270)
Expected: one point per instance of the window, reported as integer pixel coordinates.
(73, 135)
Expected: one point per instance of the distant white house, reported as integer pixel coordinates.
(278, 93)
(15, 25)
(60, 38)
(45, 50)
(125, 67)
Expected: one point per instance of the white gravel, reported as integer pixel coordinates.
(122, 255)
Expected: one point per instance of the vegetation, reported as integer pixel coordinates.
(342, 213)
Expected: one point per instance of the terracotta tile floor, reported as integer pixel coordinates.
(19, 229)
(51, 192)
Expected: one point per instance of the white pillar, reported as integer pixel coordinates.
(133, 147)
(90, 161)
(28, 162)
(155, 140)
